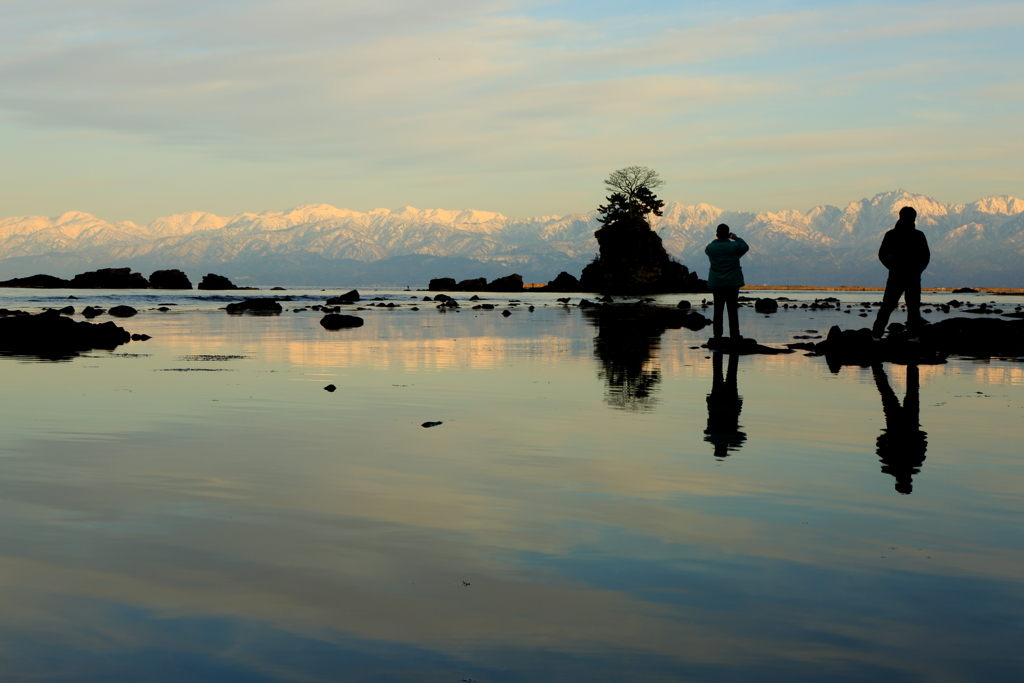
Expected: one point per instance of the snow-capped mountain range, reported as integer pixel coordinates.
(979, 244)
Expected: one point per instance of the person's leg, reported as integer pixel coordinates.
(893, 290)
(716, 321)
(734, 313)
(912, 295)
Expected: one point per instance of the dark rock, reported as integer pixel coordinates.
(163, 309)
(255, 307)
(563, 282)
(330, 387)
(431, 424)
(5, 312)
(169, 279)
(743, 346)
(90, 312)
(442, 284)
(346, 298)
(122, 311)
(216, 282)
(67, 310)
(110, 278)
(37, 282)
(475, 284)
(766, 305)
(684, 305)
(334, 321)
(563, 300)
(55, 336)
(427, 298)
(633, 260)
(586, 303)
(141, 337)
(965, 290)
(442, 297)
(509, 283)
(474, 298)
(506, 313)
(486, 307)
(530, 309)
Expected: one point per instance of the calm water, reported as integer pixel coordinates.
(596, 505)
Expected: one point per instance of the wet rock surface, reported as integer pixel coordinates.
(742, 346)
(971, 337)
(335, 321)
(349, 297)
(256, 307)
(122, 311)
(56, 337)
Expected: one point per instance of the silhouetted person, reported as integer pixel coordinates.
(904, 252)
(724, 406)
(901, 445)
(725, 277)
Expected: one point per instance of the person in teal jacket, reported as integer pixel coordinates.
(725, 277)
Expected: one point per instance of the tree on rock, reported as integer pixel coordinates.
(632, 259)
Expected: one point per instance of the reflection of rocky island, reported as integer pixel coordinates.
(724, 406)
(626, 343)
(902, 444)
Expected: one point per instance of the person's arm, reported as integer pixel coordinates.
(884, 253)
(926, 254)
(741, 246)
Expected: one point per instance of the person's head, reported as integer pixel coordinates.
(908, 214)
(723, 231)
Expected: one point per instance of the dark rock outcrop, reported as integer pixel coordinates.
(37, 282)
(743, 346)
(110, 278)
(335, 321)
(169, 279)
(56, 337)
(91, 312)
(212, 281)
(970, 337)
(122, 311)
(563, 282)
(442, 284)
(473, 285)
(104, 278)
(255, 307)
(766, 305)
(510, 283)
(633, 260)
(349, 297)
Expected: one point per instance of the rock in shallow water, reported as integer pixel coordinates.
(335, 321)
(53, 337)
(255, 306)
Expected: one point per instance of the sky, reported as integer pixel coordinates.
(135, 109)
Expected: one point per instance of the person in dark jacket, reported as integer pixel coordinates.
(725, 277)
(904, 252)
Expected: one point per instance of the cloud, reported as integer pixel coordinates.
(427, 90)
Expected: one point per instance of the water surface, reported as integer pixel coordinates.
(596, 505)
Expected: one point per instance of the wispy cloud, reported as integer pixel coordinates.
(402, 88)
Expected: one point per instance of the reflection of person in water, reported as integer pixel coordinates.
(902, 444)
(724, 406)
